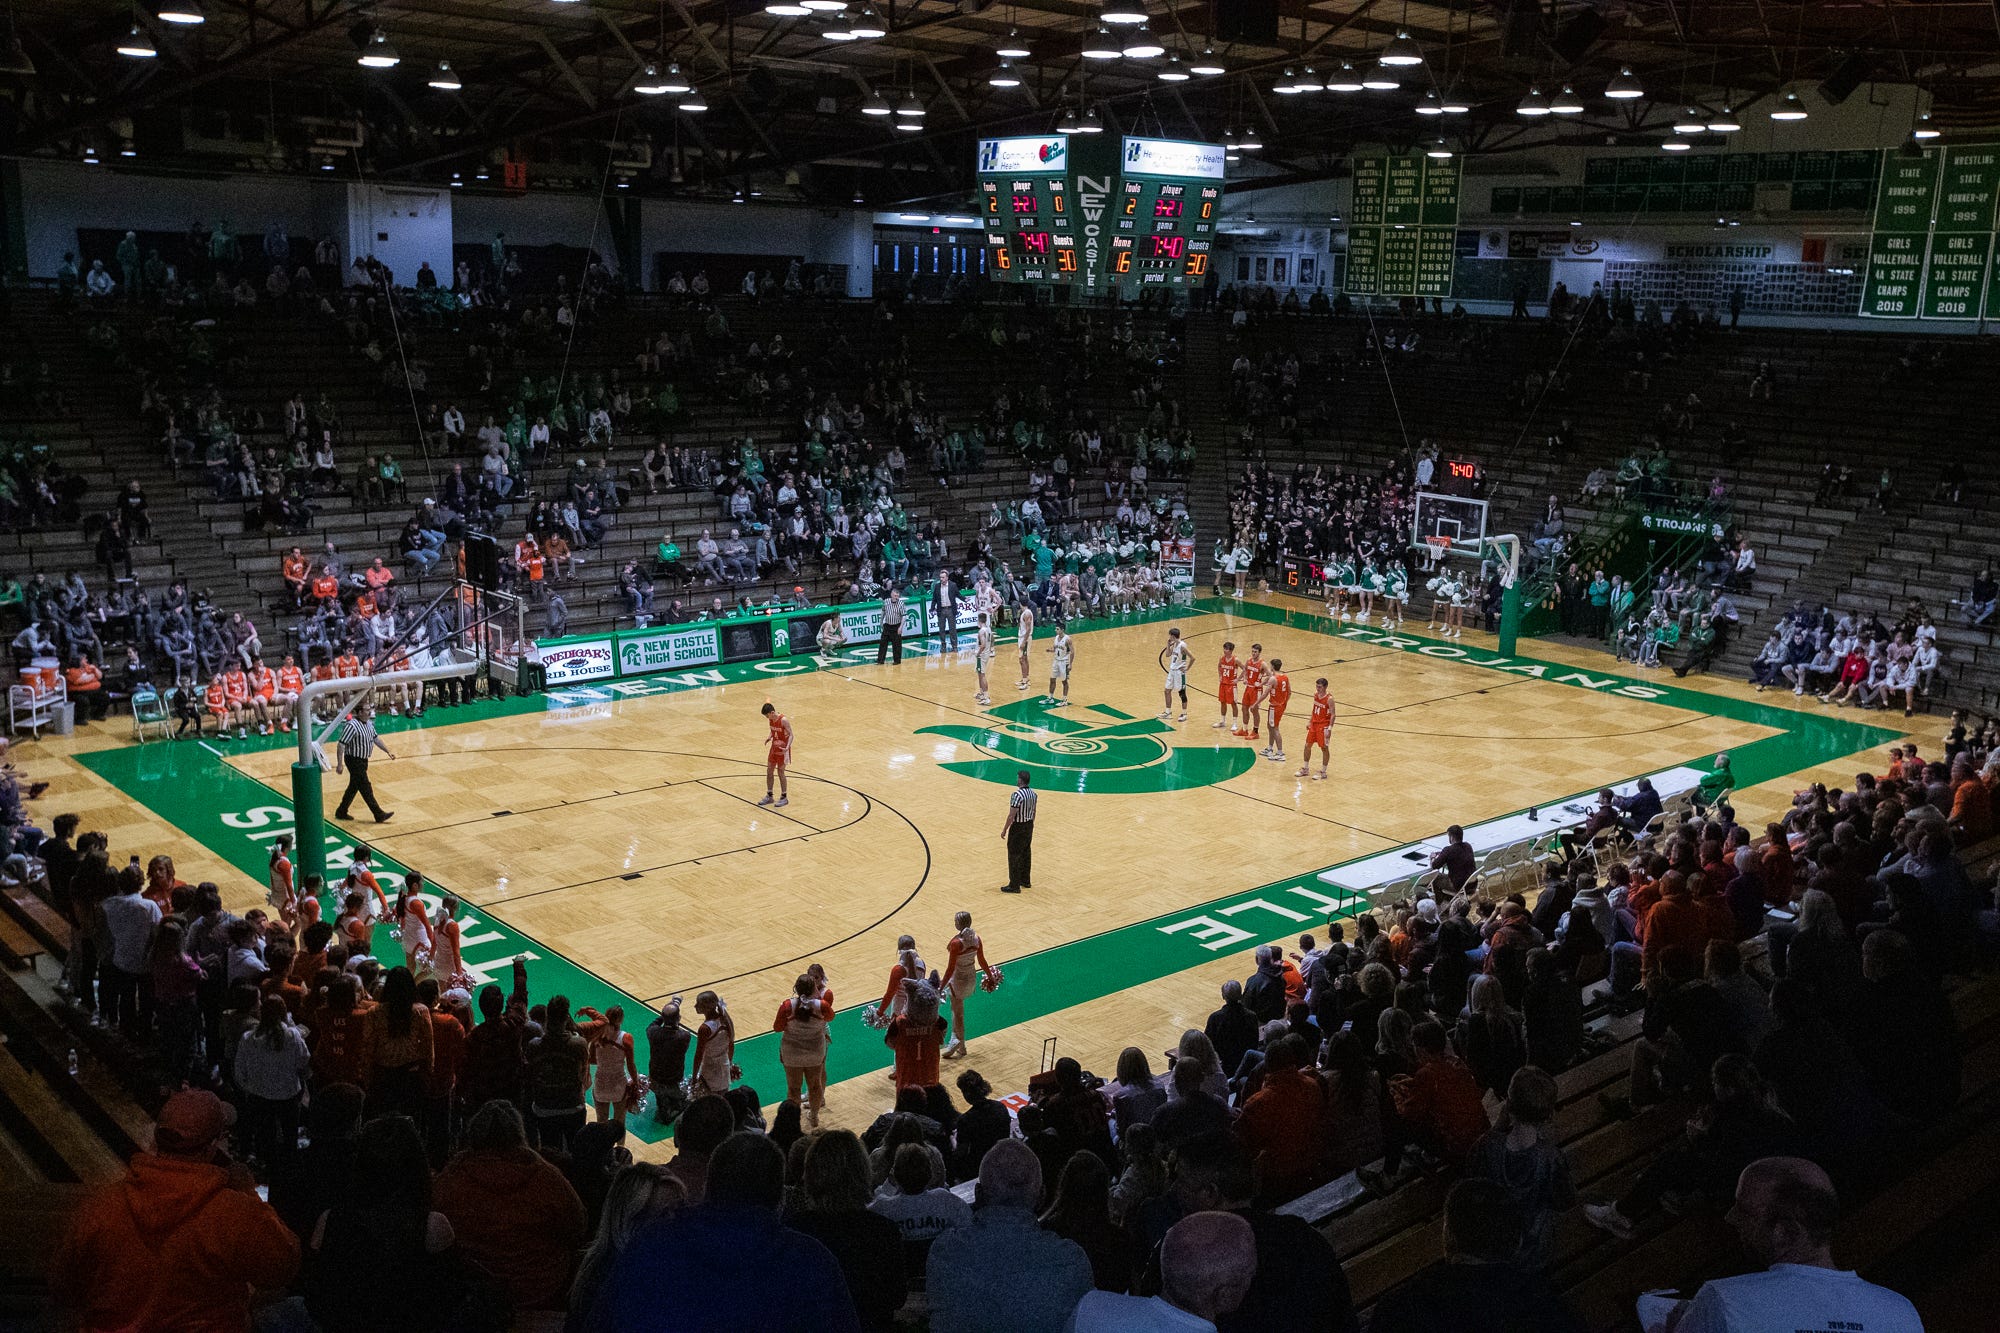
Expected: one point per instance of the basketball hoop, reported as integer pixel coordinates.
(1436, 547)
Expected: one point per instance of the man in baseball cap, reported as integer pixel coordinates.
(181, 1242)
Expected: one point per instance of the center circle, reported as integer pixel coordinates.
(1074, 745)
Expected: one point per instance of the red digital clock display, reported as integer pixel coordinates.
(1166, 247)
(1464, 471)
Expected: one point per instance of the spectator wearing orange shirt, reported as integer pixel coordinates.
(1440, 1104)
(378, 575)
(1677, 919)
(1971, 803)
(296, 571)
(86, 687)
(449, 1020)
(561, 560)
(1282, 1123)
(364, 604)
(326, 586)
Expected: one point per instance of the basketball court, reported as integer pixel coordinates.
(612, 832)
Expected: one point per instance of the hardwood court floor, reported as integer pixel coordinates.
(621, 833)
(627, 837)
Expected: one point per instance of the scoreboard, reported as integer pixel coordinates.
(1024, 196)
(1169, 201)
(1058, 210)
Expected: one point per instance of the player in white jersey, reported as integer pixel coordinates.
(1025, 639)
(1154, 585)
(1178, 659)
(1062, 652)
(1114, 590)
(982, 656)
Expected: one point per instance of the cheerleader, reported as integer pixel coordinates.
(361, 877)
(614, 1069)
(1365, 579)
(714, 1046)
(355, 927)
(907, 965)
(1338, 575)
(1456, 596)
(447, 956)
(1395, 595)
(413, 925)
(965, 958)
(1435, 585)
(281, 896)
(802, 1041)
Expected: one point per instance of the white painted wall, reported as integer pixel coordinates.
(534, 219)
(403, 226)
(59, 197)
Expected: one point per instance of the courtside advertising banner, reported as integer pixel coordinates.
(574, 662)
(1177, 563)
(662, 650)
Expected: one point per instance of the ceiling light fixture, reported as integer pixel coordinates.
(786, 9)
(1454, 102)
(128, 149)
(1789, 109)
(1923, 129)
(1623, 87)
(1677, 145)
(1287, 84)
(1207, 65)
(1122, 12)
(825, 6)
(1248, 140)
(1310, 82)
(187, 13)
(1173, 71)
(1691, 121)
(868, 25)
(1101, 45)
(378, 54)
(1344, 80)
(1380, 78)
(1004, 77)
(1066, 121)
(1142, 45)
(137, 45)
(444, 80)
(1566, 103)
(838, 28)
(911, 107)
(1429, 106)
(674, 82)
(877, 105)
(1438, 149)
(693, 102)
(1533, 104)
(1012, 47)
(1725, 122)
(1092, 123)
(1402, 51)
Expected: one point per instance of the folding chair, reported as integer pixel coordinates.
(149, 710)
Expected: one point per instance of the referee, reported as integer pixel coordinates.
(357, 742)
(1019, 835)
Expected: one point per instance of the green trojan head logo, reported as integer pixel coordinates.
(1094, 749)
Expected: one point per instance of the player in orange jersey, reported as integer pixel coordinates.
(1226, 669)
(291, 684)
(237, 686)
(263, 696)
(779, 758)
(216, 700)
(1281, 694)
(1253, 686)
(1319, 731)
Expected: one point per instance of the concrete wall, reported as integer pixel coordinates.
(59, 197)
(403, 226)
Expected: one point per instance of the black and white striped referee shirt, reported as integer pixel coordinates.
(357, 738)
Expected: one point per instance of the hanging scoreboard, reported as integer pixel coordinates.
(1169, 201)
(1058, 210)
(1025, 202)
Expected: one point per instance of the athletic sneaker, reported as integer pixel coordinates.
(766, 800)
(982, 699)
(1278, 757)
(1166, 717)
(1183, 717)
(1320, 776)
(1303, 773)
(1217, 726)
(1061, 703)
(1606, 1217)
(781, 802)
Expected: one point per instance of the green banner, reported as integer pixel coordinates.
(1971, 182)
(1895, 274)
(1403, 191)
(1955, 274)
(1908, 193)
(1437, 260)
(1364, 262)
(1370, 176)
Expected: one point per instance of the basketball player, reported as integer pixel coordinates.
(291, 684)
(1226, 669)
(1253, 686)
(1062, 653)
(1177, 665)
(1025, 640)
(1281, 694)
(961, 975)
(982, 657)
(778, 758)
(1319, 730)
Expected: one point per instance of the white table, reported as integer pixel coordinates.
(1371, 874)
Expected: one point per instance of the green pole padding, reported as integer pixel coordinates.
(1510, 618)
(309, 820)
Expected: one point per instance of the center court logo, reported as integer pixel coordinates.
(1093, 749)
